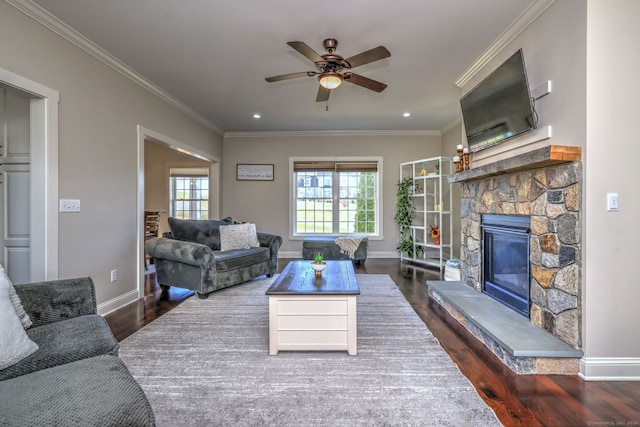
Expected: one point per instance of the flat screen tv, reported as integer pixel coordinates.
(500, 107)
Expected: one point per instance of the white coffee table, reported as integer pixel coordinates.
(313, 313)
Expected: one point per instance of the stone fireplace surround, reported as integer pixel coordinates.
(545, 184)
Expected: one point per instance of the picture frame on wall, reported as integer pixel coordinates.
(254, 172)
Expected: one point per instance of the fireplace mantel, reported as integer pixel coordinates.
(541, 157)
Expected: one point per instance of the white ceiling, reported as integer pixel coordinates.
(214, 55)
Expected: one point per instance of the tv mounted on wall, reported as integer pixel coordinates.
(500, 107)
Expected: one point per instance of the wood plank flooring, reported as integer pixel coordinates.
(518, 400)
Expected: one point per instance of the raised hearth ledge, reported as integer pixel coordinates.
(523, 347)
(539, 158)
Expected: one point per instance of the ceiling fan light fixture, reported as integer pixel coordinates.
(330, 80)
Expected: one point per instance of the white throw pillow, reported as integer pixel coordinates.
(253, 236)
(15, 344)
(234, 237)
(15, 300)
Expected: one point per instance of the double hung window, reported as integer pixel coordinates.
(336, 197)
(189, 193)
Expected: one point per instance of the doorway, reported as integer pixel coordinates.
(157, 154)
(35, 181)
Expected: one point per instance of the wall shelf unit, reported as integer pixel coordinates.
(433, 199)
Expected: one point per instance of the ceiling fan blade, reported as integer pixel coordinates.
(323, 94)
(304, 49)
(365, 82)
(368, 56)
(290, 76)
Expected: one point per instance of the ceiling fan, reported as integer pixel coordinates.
(330, 67)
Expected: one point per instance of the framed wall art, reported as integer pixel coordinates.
(253, 172)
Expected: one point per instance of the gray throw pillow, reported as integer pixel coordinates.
(203, 231)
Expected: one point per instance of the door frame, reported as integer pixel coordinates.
(44, 174)
(214, 190)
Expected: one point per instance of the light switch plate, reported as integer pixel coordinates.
(612, 201)
(69, 205)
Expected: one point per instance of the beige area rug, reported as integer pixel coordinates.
(206, 363)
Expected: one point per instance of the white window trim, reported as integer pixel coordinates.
(292, 191)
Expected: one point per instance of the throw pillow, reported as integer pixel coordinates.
(15, 344)
(234, 237)
(253, 236)
(204, 231)
(15, 301)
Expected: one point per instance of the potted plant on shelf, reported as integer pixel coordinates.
(318, 264)
(405, 214)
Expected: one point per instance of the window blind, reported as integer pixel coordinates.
(352, 166)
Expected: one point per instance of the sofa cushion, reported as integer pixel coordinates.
(64, 342)
(15, 345)
(98, 391)
(203, 231)
(231, 260)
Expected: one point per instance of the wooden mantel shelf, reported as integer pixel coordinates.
(539, 158)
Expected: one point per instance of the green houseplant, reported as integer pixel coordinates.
(405, 214)
(318, 264)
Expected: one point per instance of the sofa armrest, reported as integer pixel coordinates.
(191, 253)
(273, 242)
(56, 300)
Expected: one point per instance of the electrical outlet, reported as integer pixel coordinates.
(114, 275)
(69, 205)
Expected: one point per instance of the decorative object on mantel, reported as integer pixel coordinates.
(465, 155)
(456, 162)
(460, 150)
(318, 264)
(435, 234)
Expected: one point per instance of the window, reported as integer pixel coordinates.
(189, 193)
(335, 197)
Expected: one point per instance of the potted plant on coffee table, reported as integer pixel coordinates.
(318, 264)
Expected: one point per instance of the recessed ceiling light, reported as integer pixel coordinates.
(256, 116)
(406, 114)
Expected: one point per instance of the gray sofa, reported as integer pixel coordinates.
(190, 257)
(75, 378)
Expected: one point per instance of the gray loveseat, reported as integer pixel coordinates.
(190, 257)
(75, 378)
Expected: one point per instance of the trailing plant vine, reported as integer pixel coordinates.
(405, 214)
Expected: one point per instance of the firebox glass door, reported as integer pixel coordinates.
(506, 268)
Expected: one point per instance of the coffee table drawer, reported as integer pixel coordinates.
(318, 305)
(312, 340)
(312, 323)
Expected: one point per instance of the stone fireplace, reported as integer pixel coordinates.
(545, 186)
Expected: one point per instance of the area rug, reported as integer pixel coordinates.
(206, 363)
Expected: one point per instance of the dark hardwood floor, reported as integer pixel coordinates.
(518, 400)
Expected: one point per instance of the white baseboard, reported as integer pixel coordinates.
(610, 369)
(118, 302)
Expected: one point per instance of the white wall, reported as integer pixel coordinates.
(267, 202)
(99, 111)
(611, 337)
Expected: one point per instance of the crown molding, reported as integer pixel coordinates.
(49, 21)
(519, 25)
(332, 133)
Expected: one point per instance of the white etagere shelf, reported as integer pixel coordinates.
(433, 199)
